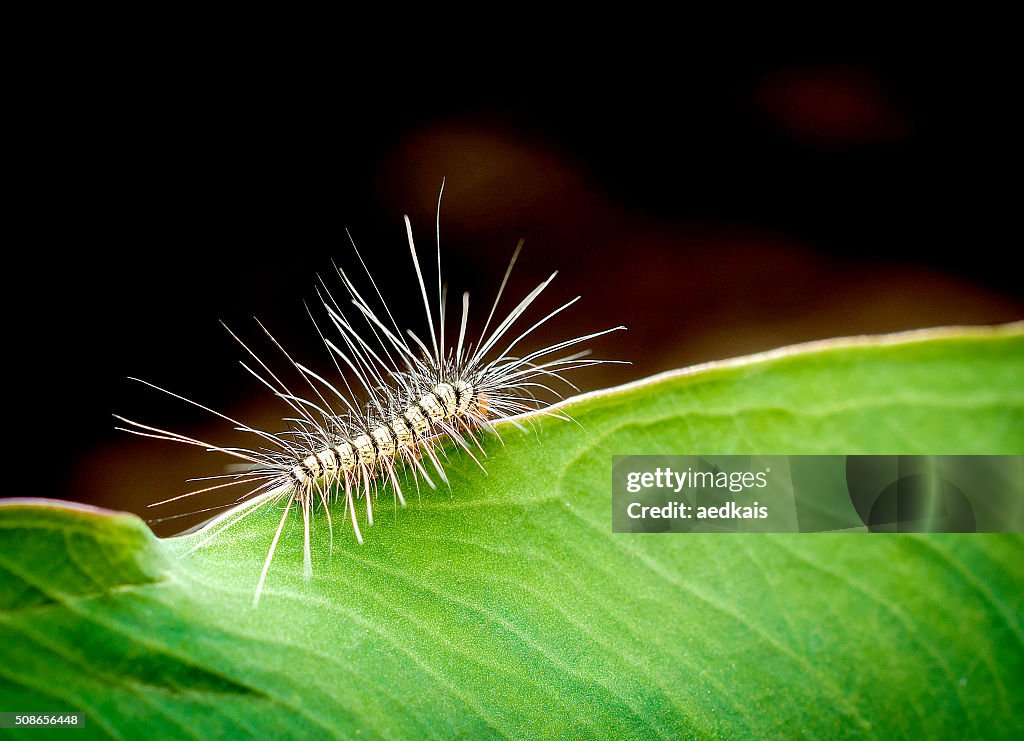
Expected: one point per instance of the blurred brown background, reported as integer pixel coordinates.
(716, 201)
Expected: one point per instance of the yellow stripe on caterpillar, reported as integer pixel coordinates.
(347, 456)
(419, 423)
(385, 442)
(402, 433)
(432, 408)
(364, 447)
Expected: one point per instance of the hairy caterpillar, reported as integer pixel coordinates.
(412, 400)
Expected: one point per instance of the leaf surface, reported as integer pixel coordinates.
(506, 606)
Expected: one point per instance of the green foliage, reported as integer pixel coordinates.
(506, 606)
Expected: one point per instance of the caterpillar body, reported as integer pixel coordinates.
(414, 401)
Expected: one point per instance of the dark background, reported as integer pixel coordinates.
(717, 200)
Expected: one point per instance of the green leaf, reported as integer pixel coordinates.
(506, 606)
